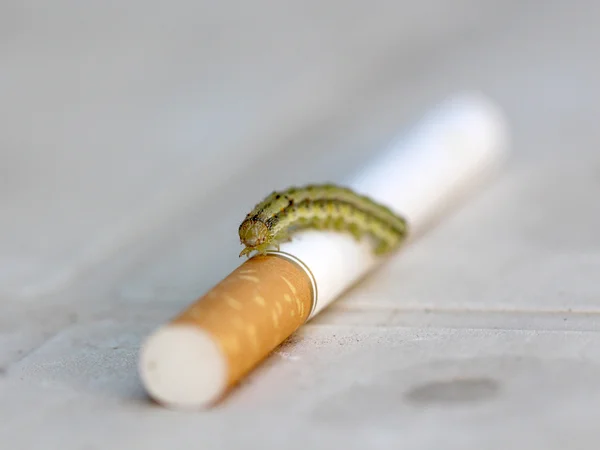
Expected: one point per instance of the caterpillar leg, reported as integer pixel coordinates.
(246, 252)
(383, 247)
(259, 249)
(281, 239)
(338, 224)
(355, 231)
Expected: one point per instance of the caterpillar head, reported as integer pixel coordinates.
(254, 234)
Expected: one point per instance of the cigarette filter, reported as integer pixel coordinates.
(195, 359)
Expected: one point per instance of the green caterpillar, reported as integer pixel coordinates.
(319, 207)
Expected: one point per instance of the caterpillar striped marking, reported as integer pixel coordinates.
(321, 207)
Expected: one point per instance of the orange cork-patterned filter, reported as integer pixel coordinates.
(242, 319)
(253, 310)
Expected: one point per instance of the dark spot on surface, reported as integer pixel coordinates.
(277, 197)
(460, 390)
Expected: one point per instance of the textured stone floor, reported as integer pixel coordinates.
(134, 136)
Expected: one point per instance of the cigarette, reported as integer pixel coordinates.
(194, 360)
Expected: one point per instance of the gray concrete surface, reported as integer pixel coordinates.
(133, 137)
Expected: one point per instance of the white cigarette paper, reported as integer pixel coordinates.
(444, 158)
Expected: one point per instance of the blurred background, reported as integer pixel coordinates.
(115, 117)
(134, 137)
